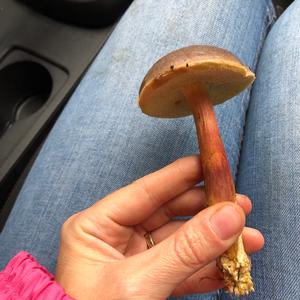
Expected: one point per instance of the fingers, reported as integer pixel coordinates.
(252, 238)
(165, 231)
(208, 278)
(187, 204)
(194, 245)
(244, 202)
(137, 201)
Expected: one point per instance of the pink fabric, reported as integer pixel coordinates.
(24, 278)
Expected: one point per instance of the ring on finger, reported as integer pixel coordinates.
(149, 240)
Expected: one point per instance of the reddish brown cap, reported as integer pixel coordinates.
(216, 70)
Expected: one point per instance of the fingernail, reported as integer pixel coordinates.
(226, 222)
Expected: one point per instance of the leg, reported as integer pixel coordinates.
(102, 141)
(269, 170)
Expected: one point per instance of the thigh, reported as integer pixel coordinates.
(102, 141)
(270, 164)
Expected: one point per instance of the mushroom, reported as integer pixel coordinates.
(190, 81)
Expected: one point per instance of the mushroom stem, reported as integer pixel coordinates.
(219, 186)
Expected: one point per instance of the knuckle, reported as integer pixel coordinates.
(180, 169)
(146, 192)
(189, 249)
(168, 212)
(190, 169)
(197, 247)
(69, 225)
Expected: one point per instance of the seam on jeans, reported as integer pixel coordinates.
(271, 11)
(268, 22)
(270, 7)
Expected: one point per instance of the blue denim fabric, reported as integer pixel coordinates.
(102, 140)
(269, 171)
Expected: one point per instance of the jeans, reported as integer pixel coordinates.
(102, 141)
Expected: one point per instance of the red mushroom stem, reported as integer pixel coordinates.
(219, 185)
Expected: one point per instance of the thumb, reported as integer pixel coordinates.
(198, 242)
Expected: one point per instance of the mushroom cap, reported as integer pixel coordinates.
(216, 70)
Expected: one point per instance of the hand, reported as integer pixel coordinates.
(103, 252)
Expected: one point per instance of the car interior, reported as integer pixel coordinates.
(46, 46)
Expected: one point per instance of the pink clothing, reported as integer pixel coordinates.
(24, 278)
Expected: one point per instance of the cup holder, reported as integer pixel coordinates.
(25, 86)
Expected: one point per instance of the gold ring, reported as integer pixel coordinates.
(149, 240)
